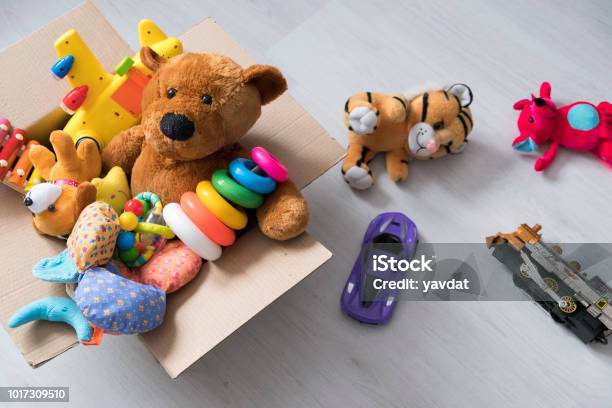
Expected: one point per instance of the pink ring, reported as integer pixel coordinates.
(270, 164)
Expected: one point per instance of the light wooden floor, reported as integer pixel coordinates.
(301, 351)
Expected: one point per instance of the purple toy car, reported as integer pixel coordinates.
(390, 234)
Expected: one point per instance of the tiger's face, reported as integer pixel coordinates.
(441, 121)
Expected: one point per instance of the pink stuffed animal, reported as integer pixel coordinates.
(579, 126)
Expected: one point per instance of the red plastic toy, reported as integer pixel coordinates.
(579, 126)
(10, 151)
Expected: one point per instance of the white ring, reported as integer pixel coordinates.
(191, 235)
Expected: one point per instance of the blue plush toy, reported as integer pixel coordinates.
(103, 299)
(54, 309)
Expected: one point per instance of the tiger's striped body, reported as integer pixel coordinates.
(428, 126)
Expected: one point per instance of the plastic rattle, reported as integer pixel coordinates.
(144, 230)
(205, 220)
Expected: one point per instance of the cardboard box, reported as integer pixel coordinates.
(227, 293)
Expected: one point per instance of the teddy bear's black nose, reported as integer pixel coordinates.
(176, 126)
(28, 201)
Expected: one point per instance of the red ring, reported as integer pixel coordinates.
(204, 219)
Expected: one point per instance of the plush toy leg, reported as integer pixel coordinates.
(284, 213)
(397, 164)
(89, 156)
(65, 152)
(43, 160)
(59, 268)
(355, 168)
(547, 158)
(604, 151)
(54, 309)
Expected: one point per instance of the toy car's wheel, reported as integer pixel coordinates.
(524, 271)
(569, 305)
(553, 284)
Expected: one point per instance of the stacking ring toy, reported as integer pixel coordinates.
(270, 164)
(189, 233)
(205, 220)
(143, 227)
(234, 192)
(229, 215)
(244, 172)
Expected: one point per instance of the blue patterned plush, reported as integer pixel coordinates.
(118, 305)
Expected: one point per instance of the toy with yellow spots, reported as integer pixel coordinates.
(430, 125)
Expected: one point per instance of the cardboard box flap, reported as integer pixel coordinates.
(227, 293)
(28, 62)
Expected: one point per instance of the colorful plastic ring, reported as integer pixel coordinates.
(151, 198)
(270, 164)
(241, 170)
(148, 227)
(234, 192)
(226, 213)
(191, 235)
(142, 259)
(206, 221)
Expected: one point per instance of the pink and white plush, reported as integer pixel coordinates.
(579, 126)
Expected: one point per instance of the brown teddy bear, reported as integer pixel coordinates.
(195, 110)
(56, 205)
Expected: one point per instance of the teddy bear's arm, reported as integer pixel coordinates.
(284, 213)
(123, 150)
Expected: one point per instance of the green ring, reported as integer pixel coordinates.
(228, 188)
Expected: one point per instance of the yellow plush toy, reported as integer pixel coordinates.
(429, 125)
(113, 189)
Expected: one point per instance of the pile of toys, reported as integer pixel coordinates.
(121, 257)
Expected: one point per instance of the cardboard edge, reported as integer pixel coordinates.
(174, 374)
(41, 362)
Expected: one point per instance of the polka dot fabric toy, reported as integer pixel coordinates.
(205, 220)
(171, 268)
(118, 305)
(93, 239)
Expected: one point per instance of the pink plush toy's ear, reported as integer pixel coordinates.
(545, 90)
(520, 104)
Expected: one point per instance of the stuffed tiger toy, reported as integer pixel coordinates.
(430, 125)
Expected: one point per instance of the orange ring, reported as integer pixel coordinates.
(205, 220)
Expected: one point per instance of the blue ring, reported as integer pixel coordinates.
(240, 170)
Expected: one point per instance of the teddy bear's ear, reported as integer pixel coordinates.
(151, 59)
(85, 195)
(267, 79)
